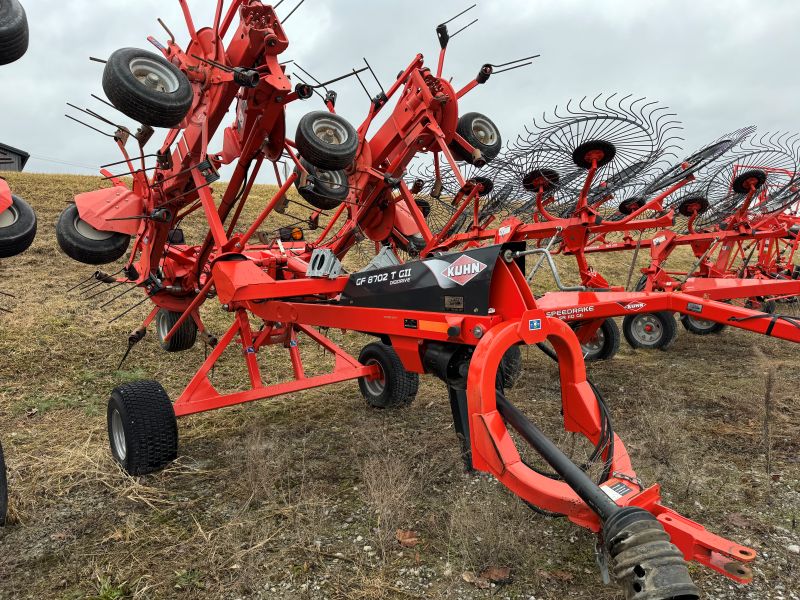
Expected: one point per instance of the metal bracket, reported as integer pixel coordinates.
(385, 258)
(508, 255)
(324, 263)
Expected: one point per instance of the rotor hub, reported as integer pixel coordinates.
(594, 153)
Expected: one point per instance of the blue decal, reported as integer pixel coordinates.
(535, 324)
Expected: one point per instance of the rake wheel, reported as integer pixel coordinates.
(184, 338)
(82, 242)
(326, 140)
(142, 428)
(481, 133)
(650, 331)
(325, 189)
(13, 31)
(395, 386)
(760, 179)
(699, 160)
(622, 137)
(605, 343)
(146, 87)
(17, 228)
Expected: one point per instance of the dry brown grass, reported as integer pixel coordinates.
(269, 500)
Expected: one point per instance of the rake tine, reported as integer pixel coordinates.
(85, 281)
(138, 304)
(91, 287)
(118, 296)
(136, 336)
(105, 291)
(102, 278)
(286, 18)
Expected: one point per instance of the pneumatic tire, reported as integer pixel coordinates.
(82, 242)
(424, 206)
(325, 189)
(650, 331)
(17, 228)
(700, 326)
(142, 429)
(395, 386)
(147, 88)
(13, 31)
(511, 367)
(481, 133)
(326, 140)
(605, 343)
(184, 338)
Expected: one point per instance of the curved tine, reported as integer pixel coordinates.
(641, 107)
(664, 123)
(545, 120)
(593, 103)
(631, 110)
(792, 142)
(646, 113)
(606, 105)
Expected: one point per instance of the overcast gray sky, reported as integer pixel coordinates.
(719, 64)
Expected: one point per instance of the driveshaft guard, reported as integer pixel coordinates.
(457, 282)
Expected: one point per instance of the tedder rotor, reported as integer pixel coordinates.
(597, 171)
(459, 315)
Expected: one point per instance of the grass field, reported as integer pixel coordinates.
(302, 496)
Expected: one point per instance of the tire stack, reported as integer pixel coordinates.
(18, 221)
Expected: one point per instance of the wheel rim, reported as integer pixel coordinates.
(701, 323)
(89, 232)
(8, 217)
(330, 131)
(162, 327)
(154, 75)
(647, 329)
(118, 435)
(332, 179)
(376, 386)
(595, 345)
(484, 131)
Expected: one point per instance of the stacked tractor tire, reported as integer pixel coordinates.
(17, 219)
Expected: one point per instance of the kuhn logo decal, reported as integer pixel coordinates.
(634, 306)
(463, 270)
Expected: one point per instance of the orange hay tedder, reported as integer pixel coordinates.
(452, 301)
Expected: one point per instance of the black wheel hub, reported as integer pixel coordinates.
(486, 183)
(540, 179)
(594, 152)
(749, 181)
(631, 205)
(695, 205)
